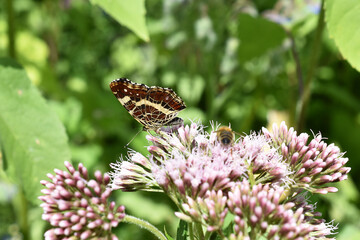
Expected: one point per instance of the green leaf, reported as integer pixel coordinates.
(257, 36)
(128, 13)
(343, 18)
(167, 235)
(32, 137)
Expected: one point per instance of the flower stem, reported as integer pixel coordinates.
(208, 235)
(146, 225)
(253, 234)
(250, 173)
(191, 231)
(22, 214)
(305, 97)
(199, 231)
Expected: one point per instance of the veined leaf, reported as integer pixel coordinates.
(33, 140)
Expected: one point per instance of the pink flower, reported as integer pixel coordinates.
(261, 179)
(313, 163)
(260, 207)
(76, 206)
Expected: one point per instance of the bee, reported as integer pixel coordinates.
(225, 135)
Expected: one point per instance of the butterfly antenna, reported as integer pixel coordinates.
(127, 145)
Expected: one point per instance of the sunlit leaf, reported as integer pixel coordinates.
(343, 18)
(32, 137)
(129, 13)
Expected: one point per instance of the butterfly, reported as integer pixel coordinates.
(153, 107)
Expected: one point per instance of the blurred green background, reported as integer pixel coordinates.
(244, 63)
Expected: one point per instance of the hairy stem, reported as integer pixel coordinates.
(146, 225)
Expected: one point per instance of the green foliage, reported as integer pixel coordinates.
(343, 22)
(129, 13)
(32, 137)
(257, 36)
(228, 62)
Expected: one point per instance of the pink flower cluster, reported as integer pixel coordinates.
(313, 164)
(260, 180)
(260, 207)
(78, 207)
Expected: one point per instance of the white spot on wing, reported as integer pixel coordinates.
(149, 119)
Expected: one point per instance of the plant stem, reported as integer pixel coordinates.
(253, 234)
(191, 231)
(305, 97)
(11, 28)
(299, 80)
(295, 54)
(250, 173)
(22, 214)
(208, 235)
(199, 231)
(146, 225)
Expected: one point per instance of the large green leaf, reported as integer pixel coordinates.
(257, 36)
(343, 18)
(33, 140)
(129, 13)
